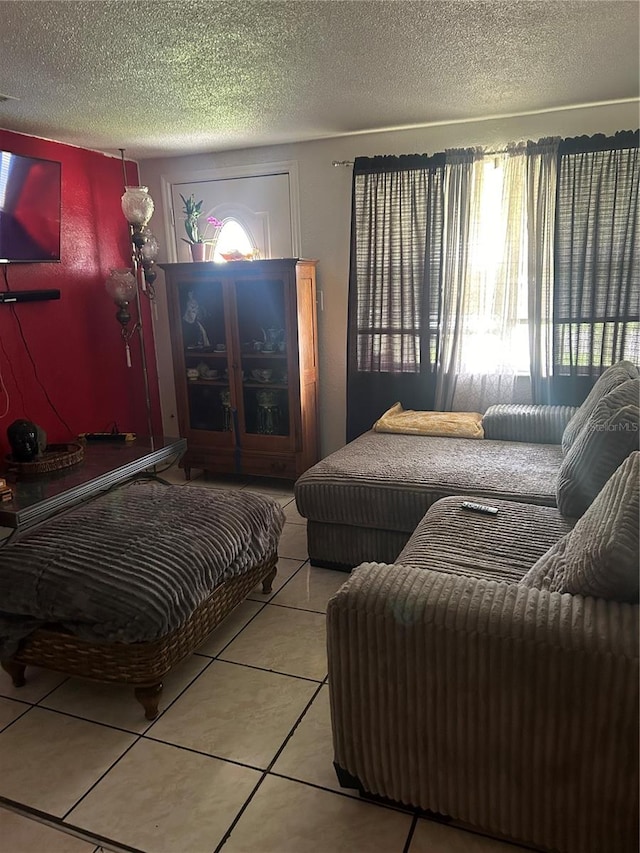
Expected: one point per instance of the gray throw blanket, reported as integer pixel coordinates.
(133, 565)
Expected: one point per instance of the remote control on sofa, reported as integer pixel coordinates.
(487, 510)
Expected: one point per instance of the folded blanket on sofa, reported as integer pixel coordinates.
(133, 565)
(450, 424)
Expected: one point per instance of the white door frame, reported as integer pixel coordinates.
(250, 170)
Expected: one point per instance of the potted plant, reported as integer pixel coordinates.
(198, 241)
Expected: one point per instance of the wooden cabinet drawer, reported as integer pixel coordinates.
(269, 465)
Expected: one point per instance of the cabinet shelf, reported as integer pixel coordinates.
(261, 355)
(275, 385)
(194, 353)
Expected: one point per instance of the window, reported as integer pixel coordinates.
(494, 320)
(474, 270)
(232, 238)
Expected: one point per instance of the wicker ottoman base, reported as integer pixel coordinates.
(142, 665)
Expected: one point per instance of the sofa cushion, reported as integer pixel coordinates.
(610, 379)
(599, 557)
(531, 423)
(388, 481)
(502, 547)
(610, 434)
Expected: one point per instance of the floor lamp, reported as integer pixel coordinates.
(124, 286)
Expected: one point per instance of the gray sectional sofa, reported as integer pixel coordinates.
(488, 672)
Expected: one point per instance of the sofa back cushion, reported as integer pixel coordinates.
(610, 434)
(610, 379)
(599, 557)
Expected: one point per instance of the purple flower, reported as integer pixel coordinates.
(192, 213)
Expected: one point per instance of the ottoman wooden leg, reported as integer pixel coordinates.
(16, 671)
(268, 581)
(149, 697)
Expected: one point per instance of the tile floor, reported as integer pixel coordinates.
(239, 760)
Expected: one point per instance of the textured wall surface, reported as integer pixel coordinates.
(75, 342)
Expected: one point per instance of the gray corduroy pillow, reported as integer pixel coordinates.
(599, 557)
(610, 379)
(610, 434)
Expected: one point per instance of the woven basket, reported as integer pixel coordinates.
(55, 458)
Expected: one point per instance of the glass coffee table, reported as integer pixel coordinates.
(105, 464)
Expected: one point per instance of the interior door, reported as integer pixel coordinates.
(260, 204)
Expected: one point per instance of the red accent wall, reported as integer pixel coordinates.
(78, 353)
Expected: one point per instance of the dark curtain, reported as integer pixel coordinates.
(394, 285)
(597, 261)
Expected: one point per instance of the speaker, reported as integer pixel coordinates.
(10, 297)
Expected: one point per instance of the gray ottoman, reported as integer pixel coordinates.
(124, 587)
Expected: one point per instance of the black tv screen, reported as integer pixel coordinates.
(29, 209)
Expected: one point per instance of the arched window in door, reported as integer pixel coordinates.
(233, 237)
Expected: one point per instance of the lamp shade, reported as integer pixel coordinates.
(149, 249)
(121, 286)
(137, 205)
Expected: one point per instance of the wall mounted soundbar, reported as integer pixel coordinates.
(10, 297)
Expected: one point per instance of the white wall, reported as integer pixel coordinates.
(325, 212)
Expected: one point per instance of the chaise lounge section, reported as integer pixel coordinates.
(364, 501)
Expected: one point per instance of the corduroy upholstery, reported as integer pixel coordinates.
(457, 689)
(609, 435)
(133, 565)
(511, 709)
(610, 379)
(599, 556)
(539, 424)
(363, 501)
(503, 547)
(124, 587)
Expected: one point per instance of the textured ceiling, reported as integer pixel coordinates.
(180, 77)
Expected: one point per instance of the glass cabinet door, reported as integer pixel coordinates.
(205, 356)
(262, 332)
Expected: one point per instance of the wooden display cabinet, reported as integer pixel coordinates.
(244, 343)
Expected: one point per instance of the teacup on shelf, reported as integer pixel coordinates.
(192, 374)
(206, 372)
(261, 374)
(221, 348)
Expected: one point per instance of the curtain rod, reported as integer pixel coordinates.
(489, 153)
(571, 145)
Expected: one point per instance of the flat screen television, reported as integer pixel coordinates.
(30, 190)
